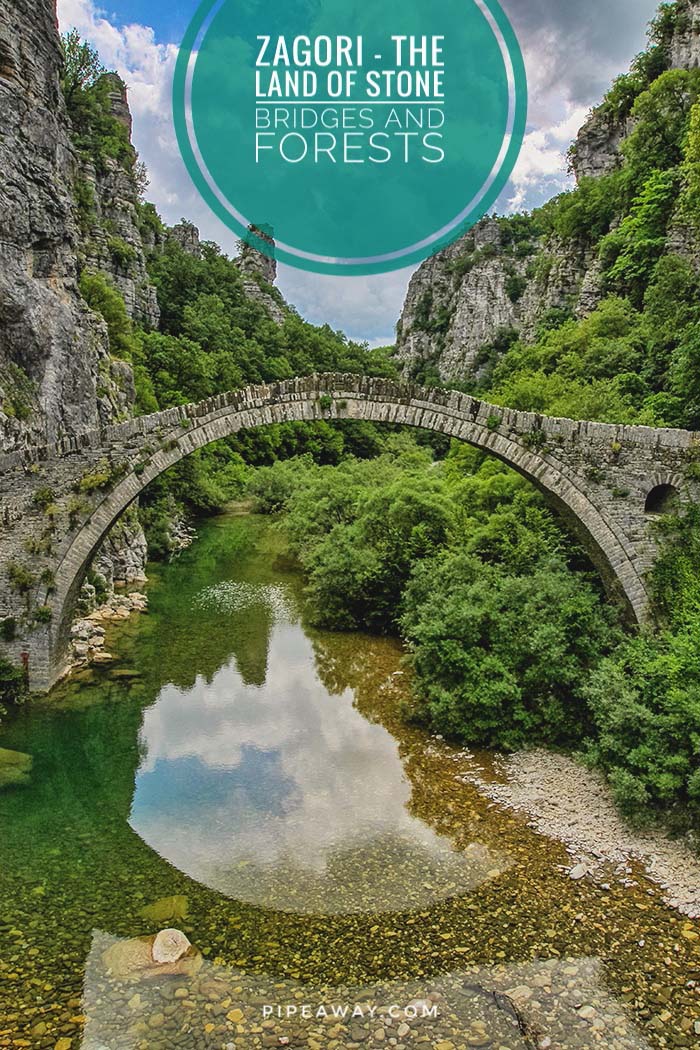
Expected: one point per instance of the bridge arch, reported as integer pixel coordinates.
(551, 453)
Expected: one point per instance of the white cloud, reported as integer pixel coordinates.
(542, 165)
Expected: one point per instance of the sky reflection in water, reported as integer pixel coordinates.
(278, 793)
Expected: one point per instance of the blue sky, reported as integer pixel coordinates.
(572, 52)
(169, 20)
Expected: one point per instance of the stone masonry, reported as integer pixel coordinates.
(57, 502)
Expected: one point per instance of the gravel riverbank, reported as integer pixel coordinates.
(568, 802)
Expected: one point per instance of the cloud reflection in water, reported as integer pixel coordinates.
(284, 795)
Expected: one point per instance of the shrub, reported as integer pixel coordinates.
(272, 487)
(515, 287)
(44, 496)
(500, 659)
(8, 629)
(105, 300)
(122, 253)
(97, 478)
(12, 685)
(20, 577)
(645, 703)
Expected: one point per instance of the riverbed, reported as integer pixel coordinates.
(251, 781)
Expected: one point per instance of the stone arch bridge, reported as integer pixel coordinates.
(57, 502)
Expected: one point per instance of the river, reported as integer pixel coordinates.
(250, 781)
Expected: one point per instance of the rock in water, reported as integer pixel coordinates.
(169, 946)
(578, 872)
(138, 959)
(166, 908)
(15, 767)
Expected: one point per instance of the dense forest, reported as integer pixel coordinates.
(508, 631)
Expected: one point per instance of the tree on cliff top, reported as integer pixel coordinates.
(96, 131)
(81, 65)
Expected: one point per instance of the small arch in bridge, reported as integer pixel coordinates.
(663, 499)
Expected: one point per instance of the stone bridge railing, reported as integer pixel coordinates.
(57, 502)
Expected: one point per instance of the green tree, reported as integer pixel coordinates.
(82, 67)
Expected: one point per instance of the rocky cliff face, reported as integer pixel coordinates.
(684, 49)
(60, 213)
(259, 273)
(466, 302)
(54, 355)
(597, 147)
(113, 241)
(57, 376)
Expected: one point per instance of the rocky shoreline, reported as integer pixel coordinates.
(88, 645)
(566, 801)
(121, 564)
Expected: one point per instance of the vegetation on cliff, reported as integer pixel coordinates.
(635, 357)
(96, 131)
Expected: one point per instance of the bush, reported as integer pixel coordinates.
(499, 659)
(122, 253)
(357, 572)
(44, 496)
(8, 628)
(645, 703)
(629, 255)
(21, 578)
(105, 300)
(12, 685)
(272, 487)
(515, 287)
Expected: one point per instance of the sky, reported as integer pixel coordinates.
(572, 53)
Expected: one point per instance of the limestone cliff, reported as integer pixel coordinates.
(259, 274)
(466, 300)
(56, 374)
(496, 283)
(114, 241)
(684, 44)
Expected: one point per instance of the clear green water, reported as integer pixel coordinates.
(319, 851)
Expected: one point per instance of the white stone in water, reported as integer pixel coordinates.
(169, 946)
(578, 872)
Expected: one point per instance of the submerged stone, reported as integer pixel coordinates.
(166, 908)
(15, 767)
(169, 946)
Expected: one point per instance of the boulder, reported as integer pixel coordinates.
(170, 946)
(135, 959)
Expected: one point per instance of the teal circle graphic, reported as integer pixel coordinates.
(363, 137)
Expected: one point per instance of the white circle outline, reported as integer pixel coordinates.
(373, 259)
